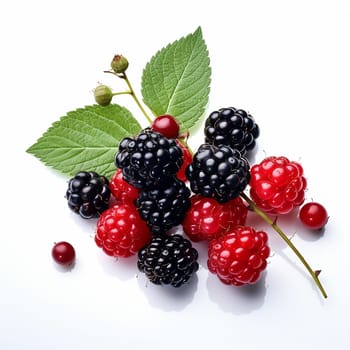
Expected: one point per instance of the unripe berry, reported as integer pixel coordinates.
(119, 64)
(103, 95)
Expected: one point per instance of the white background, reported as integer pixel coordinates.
(287, 62)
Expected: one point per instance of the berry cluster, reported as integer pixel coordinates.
(158, 185)
(152, 197)
(150, 162)
(218, 174)
(154, 162)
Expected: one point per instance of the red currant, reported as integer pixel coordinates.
(167, 126)
(63, 253)
(313, 215)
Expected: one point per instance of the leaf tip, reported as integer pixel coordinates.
(198, 31)
(30, 149)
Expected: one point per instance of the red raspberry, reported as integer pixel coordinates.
(277, 185)
(122, 190)
(239, 256)
(207, 219)
(187, 159)
(121, 232)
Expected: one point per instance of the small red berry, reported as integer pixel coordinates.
(207, 219)
(63, 253)
(167, 126)
(122, 190)
(313, 215)
(239, 257)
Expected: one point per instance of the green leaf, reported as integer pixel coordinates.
(85, 139)
(176, 80)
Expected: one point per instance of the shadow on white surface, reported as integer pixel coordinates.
(168, 298)
(237, 300)
(253, 155)
(64, 268)
(87, 226)
(295, 264)
(311, 235)
(122, 268)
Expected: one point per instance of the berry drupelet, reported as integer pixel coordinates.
(88, 194)
(219, 172)
(168, 260)
(148, 158)
(232, 127)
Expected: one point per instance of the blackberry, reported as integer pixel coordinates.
(231, 127)
(148, 158)
(88, 194)
(219, 172)
(168, 260)
(164, 207)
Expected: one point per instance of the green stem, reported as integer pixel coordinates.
(258, 211)
(121, 93)
(183, 139)
(132, 93)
